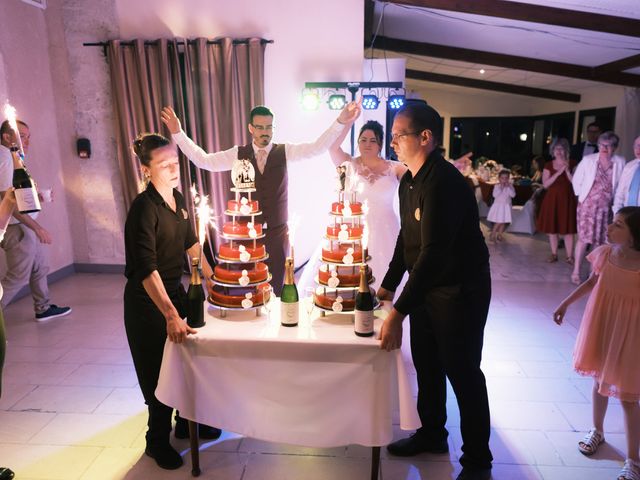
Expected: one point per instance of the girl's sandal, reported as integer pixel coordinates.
(630, 471)
(553, 258)
(590, 443)
(570, 260)
(575, 279)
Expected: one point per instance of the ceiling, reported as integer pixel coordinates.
(417, 31)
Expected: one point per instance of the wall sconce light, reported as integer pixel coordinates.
(84, 148)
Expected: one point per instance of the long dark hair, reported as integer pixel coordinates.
(631, 217)
(375, 127)
(146, 143)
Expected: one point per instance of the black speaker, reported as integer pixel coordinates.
(84, 148)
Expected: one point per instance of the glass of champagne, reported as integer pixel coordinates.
(267, 298)
(309, 303)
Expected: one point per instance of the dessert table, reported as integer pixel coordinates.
(315, 385)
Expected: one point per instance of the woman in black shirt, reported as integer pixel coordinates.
(157, 234)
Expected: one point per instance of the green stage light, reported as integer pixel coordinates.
(310, 99)
(337, 102)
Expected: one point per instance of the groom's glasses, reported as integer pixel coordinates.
(396, 136)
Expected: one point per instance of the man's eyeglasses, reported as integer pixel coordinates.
(262, 128)
(396, 136)
(606, 145)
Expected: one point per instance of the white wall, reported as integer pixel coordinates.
(29, 55)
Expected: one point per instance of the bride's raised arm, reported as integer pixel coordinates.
(339, 156)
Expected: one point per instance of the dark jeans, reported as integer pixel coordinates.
(446, 342)
(147, 332)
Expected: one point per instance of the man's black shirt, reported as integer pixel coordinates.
(440, 242)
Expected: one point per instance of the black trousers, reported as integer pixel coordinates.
(146, 330)
(446, 342)
(276, 242)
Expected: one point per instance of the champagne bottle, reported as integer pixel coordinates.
(364, 317)
(26, 195)
(289, 297)
(195, 298)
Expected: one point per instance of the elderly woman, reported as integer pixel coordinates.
(558, 208)
(595, 182)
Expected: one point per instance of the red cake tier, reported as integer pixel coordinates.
(354, 232)
(233, 297)
(326, 300)
(348, 276)
(228, 252)
(234, 206)
(240, 229)
(231, 273)
(338, 252)
(338, 207)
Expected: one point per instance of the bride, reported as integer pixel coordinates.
(380, 179)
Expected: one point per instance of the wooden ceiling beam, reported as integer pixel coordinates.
(369, 8)
(494, 86)
(620, 65)
(526, 12)
(506, 61)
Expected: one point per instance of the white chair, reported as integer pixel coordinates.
(523, 218)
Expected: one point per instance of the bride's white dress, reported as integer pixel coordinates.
(381, 193)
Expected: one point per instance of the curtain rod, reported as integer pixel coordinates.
(189, 42)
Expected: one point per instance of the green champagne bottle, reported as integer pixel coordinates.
(363, 325)
(195, 298)
(289, 297)
(27, 200)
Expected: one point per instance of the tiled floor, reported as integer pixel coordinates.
(71, 408)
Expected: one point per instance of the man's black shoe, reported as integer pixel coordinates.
(208, 433)
(204, 431)
(182, 428)
(165, 456)
(414, 445)
(474, 474)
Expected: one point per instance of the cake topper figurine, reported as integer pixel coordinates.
(342, 176)
(243, 175)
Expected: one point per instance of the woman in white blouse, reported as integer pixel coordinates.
(594, 182)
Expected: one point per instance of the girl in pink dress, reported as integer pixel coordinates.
(607, 347)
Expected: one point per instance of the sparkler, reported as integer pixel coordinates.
(11, 115)
(204, 215)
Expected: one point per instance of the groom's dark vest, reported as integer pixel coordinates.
(271, 186)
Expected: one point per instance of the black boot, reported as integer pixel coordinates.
(165, 456)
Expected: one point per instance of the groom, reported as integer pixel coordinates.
(269, 161)
(446, 296)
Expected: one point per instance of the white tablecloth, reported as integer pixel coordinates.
(316, 385)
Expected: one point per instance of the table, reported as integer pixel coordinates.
(315, 385)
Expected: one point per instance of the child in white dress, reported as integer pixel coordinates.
(500, 211)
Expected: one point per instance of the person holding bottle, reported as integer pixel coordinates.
(25, 239)
(158, 232)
